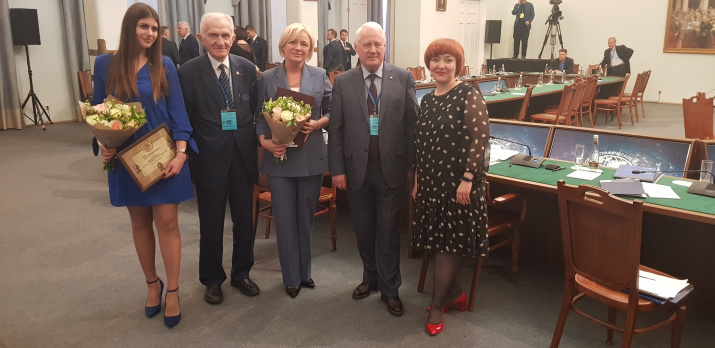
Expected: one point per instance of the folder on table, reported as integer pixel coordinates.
(624, 187)
(624, 171)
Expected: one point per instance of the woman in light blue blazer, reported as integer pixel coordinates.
(295, 184)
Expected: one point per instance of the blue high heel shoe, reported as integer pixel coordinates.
(154, 310)
(172, 321)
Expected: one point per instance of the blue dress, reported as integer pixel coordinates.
(123, 191)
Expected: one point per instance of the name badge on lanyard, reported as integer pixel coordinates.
(521, 16)
(228, 120)
(374, 118)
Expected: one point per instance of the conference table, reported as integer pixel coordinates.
(677, 234)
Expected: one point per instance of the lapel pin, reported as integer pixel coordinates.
(390, 77)
(238, 73)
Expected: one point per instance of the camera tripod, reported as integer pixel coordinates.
(554, 25)
(37, 109)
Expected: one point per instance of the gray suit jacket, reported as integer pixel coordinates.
(312, 158)
(349, 130)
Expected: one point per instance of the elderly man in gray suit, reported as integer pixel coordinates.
(370, 136)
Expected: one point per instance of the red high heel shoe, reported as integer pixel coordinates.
(461, 301)
(435, 329)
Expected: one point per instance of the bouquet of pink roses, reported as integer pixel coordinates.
(285, 116)
(113, 122)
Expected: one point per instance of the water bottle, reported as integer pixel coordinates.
(520, 82)
(494, 69)
(497, 88)
(541, 79)
(502, 69)
(551, 78)
(546, 68)
(596, 154)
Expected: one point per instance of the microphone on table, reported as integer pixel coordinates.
(702, 188)
(520, 159)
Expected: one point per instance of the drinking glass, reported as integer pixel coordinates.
(580, 149)
(706, 166)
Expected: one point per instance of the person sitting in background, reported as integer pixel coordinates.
(562, 65)
(241, 47)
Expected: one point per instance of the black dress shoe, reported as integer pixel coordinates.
(247, 287)
(394, 305)
(363, 290)
(293, 292)
(308, 284)
(213, 294)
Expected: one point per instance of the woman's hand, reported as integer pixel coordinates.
(465, 187)
(276, 149)
(107, 154)
(309, 127)
(175, 165)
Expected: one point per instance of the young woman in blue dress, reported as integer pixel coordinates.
(138, 72)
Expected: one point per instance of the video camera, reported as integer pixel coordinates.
(555, 2)
(556, 13)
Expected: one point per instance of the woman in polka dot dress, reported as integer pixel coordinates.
(450, 160)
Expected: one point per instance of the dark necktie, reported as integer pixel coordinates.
(374, 151)
(226, 86)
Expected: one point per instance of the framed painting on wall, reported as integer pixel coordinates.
(689, 27)
(442, 5)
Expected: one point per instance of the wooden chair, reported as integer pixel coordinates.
(327, 204)
(576, 68)
(485, 69)
(592, 68)
(698, 117)
(332, 74)
(418, 73)
(270, 66)
(563, 113)
(601, 238)
(464, 71)
(588, 95)
(611, 105)
(506, 216)
(641, 91)
(85, 85)
(630, 99)
(525, 104)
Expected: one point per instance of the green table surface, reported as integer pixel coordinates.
(541, 90)
(688, 201)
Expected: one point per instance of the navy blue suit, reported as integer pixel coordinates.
(226, 167)
(295, 184)
(188, 48)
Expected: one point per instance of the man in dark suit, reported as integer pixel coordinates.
(617, 59)
(524, 12)
(349, 51)
(259, 46)
(189, 46)
(334, 55)
(370, 137)
(563, 64)
(168, 47)
(220, 93)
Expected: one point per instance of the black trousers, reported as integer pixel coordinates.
(237, 189)
(619, 70)
(521, 36)
(375, 209)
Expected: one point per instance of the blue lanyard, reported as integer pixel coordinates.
(374, 102)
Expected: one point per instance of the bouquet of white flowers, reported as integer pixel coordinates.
(113, 122)
(285, 116)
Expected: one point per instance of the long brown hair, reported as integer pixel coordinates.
(122, 76)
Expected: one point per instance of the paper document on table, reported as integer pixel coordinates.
(584, 175)
(517, 93)
(501, 154)
(660, 286)
(659, 191)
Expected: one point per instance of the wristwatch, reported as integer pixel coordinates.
(183, 151)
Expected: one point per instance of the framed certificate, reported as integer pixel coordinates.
(146, 159)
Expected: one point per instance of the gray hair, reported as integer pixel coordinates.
(215, 15)
(612, 38)
(372, 25)
(184, 23)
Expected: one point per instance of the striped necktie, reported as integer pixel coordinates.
(226, 86)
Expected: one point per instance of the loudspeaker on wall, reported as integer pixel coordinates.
(24, 26)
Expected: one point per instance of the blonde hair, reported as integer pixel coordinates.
(291, 32)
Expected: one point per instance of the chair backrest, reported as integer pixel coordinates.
(485, 70)
(564, 109)
(85, 84)
(578, 96)
(262, 183)
(590, 92)
(576, 67)
(698, 117)
(332, 74)
(525, 104)
(601, 235)
(637, 86)
(644, 83)
(464, 71)
(418, 73)
(623, 88)
(592, 68)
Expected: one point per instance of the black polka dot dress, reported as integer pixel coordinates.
(452, 137)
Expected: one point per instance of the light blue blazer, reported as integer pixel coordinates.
(312, 159)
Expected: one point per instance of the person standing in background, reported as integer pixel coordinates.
(189, 46)
(259, 46)
(168, 47)
(241, 47)
(348, 49)
(333, 53)
(524, 12)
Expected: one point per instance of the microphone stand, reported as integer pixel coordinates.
(521, 159)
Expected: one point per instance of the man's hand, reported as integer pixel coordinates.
(346, 48)
(340, 181)
(527, 23)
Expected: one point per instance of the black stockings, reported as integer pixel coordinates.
(447, 285)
